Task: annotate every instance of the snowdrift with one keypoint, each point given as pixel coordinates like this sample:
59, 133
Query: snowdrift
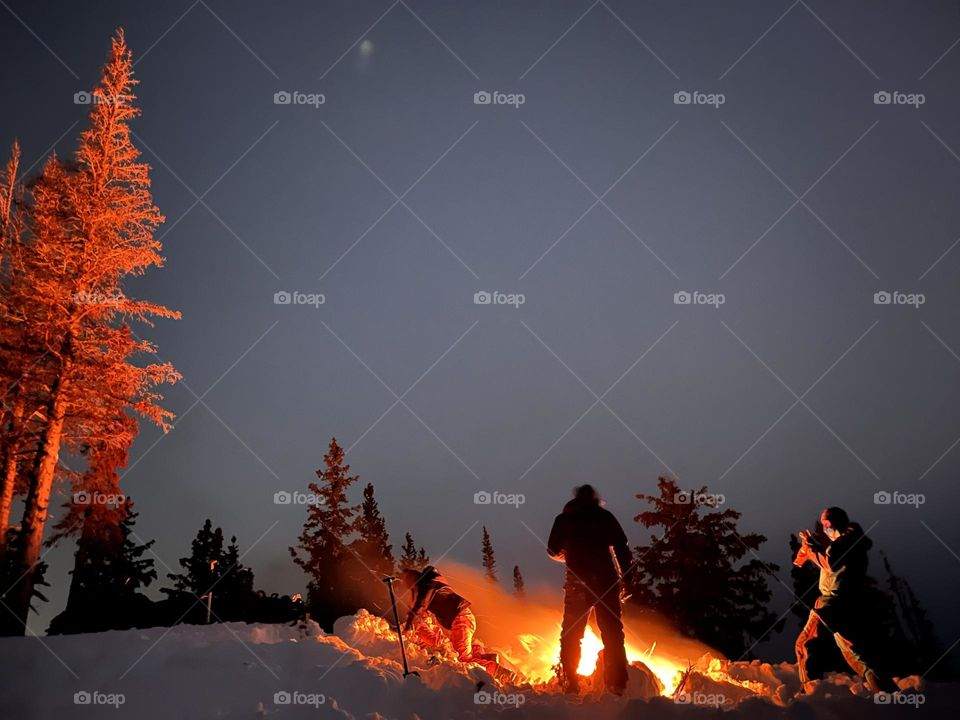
278, 671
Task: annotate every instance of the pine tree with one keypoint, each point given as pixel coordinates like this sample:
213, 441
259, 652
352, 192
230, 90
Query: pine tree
489, 562
518, 588
371, 556
322, 547
211, 568
373, 542
916, 628
410, 556
90, 226
697, 573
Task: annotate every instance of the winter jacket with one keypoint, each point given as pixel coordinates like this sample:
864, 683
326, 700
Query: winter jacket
582, 536
843, 578
432, 593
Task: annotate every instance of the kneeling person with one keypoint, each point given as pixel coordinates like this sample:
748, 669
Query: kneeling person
432, 594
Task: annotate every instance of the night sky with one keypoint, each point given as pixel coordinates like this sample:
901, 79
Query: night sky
786, 185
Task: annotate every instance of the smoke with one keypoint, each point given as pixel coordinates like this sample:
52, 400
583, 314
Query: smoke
526, 631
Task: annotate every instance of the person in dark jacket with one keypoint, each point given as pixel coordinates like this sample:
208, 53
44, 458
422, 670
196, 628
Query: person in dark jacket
437, 611
843, 576
582, 537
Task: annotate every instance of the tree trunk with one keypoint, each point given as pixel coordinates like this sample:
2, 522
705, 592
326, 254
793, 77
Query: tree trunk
9, 472
30, 537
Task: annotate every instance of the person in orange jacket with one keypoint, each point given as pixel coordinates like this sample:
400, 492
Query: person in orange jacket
432, 595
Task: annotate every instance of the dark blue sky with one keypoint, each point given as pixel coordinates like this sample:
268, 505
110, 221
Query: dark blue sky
598, 199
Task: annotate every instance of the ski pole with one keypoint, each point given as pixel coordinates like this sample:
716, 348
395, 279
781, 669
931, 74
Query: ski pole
396, 617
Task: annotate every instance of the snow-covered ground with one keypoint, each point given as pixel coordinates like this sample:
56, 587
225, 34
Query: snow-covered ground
277, 671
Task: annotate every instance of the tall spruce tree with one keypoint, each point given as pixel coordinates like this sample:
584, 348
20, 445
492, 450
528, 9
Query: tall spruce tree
371, 557
322, 548
700, 572
212, 568
489, 561
518, 587
410, 556
89, 226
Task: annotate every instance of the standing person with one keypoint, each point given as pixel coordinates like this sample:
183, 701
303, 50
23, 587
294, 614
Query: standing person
582, 537
840, 608
431, 594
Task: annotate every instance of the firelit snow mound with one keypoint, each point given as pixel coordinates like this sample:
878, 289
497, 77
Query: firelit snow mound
277, 671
